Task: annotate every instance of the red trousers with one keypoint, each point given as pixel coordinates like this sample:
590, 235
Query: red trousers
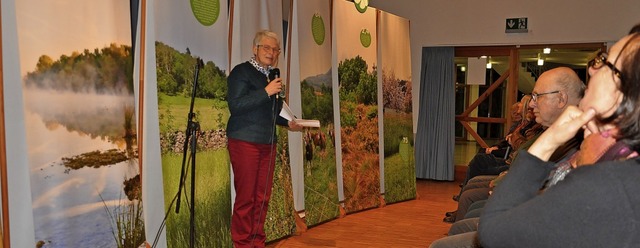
253, 166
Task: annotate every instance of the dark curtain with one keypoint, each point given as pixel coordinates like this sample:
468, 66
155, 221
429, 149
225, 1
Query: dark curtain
436, 119
133, 6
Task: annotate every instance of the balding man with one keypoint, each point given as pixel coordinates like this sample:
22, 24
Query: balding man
553, 92
555, 89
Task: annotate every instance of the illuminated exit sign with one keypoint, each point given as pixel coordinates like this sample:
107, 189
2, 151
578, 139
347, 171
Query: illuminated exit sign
516, 25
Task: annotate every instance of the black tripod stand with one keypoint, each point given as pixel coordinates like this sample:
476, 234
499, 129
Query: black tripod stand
190, 143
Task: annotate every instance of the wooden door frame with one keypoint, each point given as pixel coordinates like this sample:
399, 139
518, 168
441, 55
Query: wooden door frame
512, 85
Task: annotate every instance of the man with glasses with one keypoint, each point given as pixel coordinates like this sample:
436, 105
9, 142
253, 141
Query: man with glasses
553, 92
251, 133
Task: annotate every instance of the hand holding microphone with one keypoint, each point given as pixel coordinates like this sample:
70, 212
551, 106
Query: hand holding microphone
275, 74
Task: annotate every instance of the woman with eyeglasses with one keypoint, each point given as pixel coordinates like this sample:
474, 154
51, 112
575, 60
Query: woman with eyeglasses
597, 204
251, 134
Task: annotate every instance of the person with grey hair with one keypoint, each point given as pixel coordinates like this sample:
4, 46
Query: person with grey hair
596, 205
251, 131
555, 90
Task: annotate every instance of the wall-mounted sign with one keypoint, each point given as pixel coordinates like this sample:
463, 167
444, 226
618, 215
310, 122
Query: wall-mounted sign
516, 25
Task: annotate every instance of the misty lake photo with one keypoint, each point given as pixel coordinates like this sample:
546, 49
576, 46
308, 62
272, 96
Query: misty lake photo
69, 203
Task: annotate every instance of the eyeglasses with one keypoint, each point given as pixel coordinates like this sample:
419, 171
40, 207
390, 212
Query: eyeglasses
534, 96
270, 49
600, 60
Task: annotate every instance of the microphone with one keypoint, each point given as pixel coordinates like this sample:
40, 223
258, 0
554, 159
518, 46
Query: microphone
273, 74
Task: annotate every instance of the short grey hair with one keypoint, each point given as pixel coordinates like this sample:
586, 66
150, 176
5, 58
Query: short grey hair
569, 81
265, 34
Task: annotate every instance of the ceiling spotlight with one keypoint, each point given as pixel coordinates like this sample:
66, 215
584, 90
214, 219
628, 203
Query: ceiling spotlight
540, 61
546, 50
462, 68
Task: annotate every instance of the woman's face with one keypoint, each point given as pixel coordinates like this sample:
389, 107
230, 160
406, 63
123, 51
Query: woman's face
530, 115
515, 112
602, 93
267, 51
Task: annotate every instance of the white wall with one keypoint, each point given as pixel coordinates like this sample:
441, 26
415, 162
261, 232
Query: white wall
482, 23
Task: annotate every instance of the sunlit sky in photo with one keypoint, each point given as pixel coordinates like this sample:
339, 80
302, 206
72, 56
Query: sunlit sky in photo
78, 25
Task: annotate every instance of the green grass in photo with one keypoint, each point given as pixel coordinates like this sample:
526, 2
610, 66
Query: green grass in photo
212, 200
280, 220
399, 162
173, 112
321, 189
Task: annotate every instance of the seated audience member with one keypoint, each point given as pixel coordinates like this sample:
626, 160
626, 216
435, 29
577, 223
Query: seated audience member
553, 92
488, 163
596, 205
485, 165
478, 173
503, 148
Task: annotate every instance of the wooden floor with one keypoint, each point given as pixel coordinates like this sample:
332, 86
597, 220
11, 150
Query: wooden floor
414, 223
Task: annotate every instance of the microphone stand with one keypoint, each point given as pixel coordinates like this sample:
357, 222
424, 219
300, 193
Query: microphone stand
190, 142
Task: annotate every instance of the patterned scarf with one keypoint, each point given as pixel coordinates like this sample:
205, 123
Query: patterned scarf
595, 148
261, 69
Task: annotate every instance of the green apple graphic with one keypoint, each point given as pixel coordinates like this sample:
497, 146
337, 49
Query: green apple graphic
361, 5
205, 11
317, 28
365, 38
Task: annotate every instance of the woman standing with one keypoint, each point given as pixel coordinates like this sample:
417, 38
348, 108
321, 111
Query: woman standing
254, 105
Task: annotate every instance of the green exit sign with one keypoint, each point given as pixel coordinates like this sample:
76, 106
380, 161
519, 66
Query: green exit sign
516, 25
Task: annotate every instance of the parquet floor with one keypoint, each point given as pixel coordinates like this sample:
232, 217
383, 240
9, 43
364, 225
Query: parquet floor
414, 223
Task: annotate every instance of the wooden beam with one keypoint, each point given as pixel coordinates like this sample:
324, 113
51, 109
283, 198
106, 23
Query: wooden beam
485, 94
596, 46
482, 51
512, 86
474, 134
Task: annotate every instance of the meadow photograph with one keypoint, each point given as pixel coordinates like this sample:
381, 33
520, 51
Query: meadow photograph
358, 94
321, 201
397, 108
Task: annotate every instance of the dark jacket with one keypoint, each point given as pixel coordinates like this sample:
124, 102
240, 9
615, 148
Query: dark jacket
594, 206
253, 113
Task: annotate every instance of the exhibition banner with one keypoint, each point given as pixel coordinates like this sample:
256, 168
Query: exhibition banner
356, 46
397, 132
76, 67
312, 59
191, 67
249, 17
